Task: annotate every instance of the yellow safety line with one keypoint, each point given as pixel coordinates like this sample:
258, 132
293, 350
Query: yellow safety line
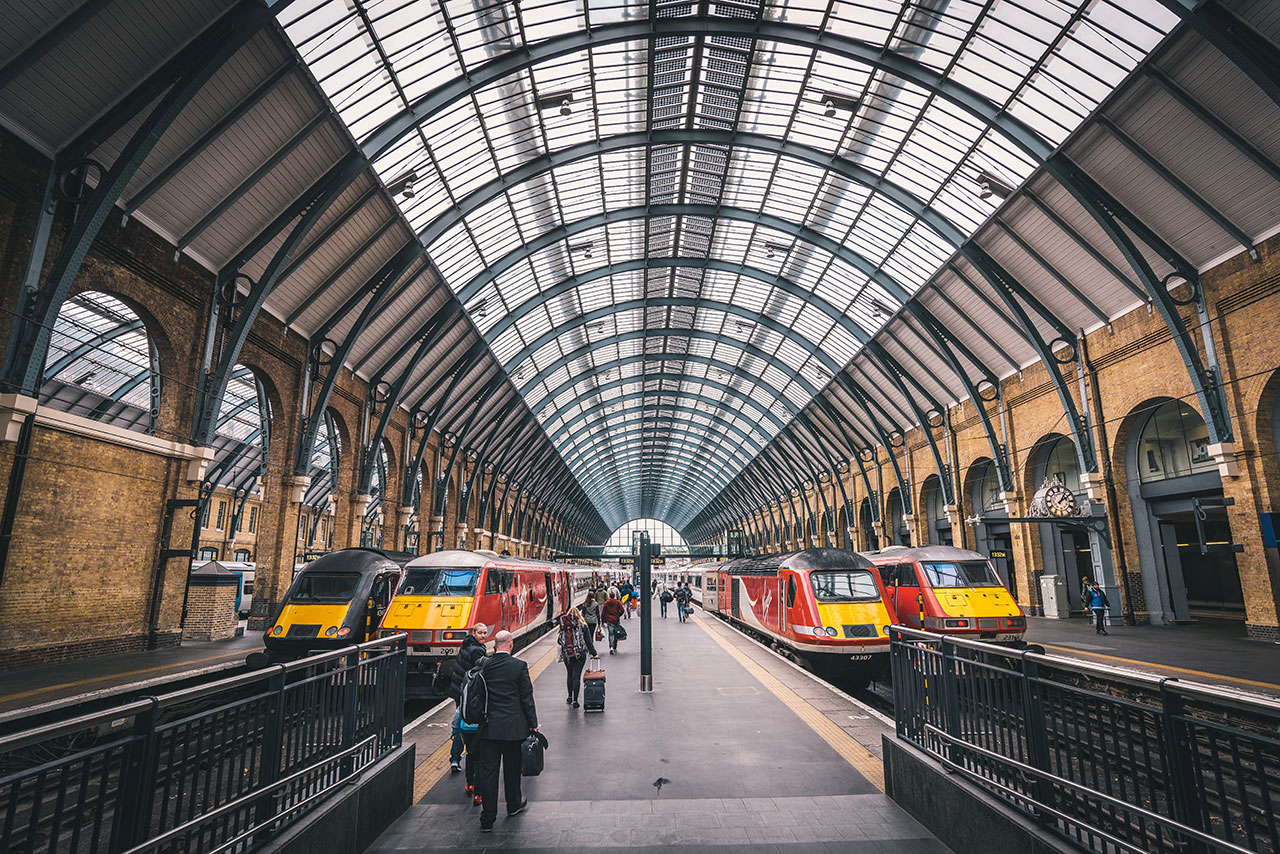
49, 688
850, 749
1151, 665
435, 766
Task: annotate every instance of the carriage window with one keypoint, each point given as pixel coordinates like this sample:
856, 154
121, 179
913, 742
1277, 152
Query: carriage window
964, 573
844, 585
326, 587
889, 572
438, 581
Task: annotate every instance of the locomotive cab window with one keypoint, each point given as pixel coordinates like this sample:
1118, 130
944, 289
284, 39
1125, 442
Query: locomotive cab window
381, 593
791, 591
962, 573
844, 585
326, 587
439, 581
889, 573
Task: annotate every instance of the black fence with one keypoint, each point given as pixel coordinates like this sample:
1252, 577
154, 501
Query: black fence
221, 767
1113, 760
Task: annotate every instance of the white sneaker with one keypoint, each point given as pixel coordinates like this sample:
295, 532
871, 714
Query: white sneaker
455, 767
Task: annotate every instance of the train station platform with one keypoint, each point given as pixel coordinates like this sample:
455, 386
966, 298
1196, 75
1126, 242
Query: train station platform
1211, 651
46, 687
735, 750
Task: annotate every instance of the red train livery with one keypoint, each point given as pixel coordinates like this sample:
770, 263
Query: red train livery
826, 607
444, 594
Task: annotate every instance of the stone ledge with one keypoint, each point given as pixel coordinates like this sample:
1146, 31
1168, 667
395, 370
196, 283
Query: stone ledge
351, 819
963, 816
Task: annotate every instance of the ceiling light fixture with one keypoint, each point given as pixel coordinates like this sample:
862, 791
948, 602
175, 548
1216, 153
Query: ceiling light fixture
403, 185
832, 103
989, 185
559, 101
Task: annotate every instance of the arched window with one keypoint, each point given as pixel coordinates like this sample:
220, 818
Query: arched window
243, 556
101, 364
242, 436
371, 532
1174, 443
208, 553
986, 487
1062, 464
324, 476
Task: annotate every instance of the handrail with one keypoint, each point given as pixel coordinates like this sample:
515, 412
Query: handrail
155, 762
244, 800
1150, 680
1070, 784
1201, 761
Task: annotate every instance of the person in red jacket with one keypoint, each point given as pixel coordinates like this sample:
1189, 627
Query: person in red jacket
610, 614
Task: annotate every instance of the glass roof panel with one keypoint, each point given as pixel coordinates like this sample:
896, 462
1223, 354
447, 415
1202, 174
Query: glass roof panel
814, 137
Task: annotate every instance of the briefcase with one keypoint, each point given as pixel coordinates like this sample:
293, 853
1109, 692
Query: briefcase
531, 758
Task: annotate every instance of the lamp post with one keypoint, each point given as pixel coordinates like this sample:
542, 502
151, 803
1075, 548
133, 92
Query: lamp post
646, 615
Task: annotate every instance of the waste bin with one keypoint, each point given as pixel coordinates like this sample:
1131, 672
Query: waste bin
1053, 596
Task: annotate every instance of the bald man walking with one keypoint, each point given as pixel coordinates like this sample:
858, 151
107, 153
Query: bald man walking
512, 717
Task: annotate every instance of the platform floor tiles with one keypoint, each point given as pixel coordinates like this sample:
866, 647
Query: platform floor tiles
1211, 651
46, 685
712, 760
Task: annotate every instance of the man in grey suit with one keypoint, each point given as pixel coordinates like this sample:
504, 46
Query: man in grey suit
512, 717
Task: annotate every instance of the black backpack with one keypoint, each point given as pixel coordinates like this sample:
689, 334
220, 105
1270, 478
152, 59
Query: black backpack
666, 596
474, 708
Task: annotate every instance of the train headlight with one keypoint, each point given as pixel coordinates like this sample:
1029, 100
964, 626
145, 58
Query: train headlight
819, 631
831, 631
344, 631
885, 630
278, 631
331, 631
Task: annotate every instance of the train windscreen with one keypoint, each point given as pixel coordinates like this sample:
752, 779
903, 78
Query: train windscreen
326, 587
961, 573
438, 581
844, 585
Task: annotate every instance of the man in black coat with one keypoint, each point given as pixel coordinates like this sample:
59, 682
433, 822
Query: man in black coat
471, 651
512, 717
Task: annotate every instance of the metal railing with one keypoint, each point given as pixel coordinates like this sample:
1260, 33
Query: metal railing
220, 767
1111, 759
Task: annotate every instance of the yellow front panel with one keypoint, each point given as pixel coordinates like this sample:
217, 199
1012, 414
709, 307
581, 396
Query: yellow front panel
977, 602
428, 612
855, 613
310, 615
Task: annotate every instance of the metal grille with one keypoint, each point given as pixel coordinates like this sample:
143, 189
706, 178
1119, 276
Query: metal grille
988, 622
1111, 760
861, 630
301, 630
221, 767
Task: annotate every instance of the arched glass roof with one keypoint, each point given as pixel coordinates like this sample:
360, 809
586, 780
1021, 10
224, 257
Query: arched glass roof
675, 222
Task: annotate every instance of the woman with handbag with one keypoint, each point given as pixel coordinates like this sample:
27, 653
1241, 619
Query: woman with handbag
573, 652
590, 610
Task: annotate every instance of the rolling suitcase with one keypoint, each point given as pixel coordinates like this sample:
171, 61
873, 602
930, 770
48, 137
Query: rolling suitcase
593, 687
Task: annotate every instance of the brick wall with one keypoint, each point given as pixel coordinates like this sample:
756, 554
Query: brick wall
211, 613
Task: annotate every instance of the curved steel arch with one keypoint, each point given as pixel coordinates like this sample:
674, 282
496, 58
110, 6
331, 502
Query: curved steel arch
834, 163
644, 394
665, 332
592, 457
440, 99
732, 453
589, 456
635, 433
629, 462
707, 381
618, 363
676, 302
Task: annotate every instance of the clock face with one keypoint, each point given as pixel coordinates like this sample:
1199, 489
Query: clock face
1060, 501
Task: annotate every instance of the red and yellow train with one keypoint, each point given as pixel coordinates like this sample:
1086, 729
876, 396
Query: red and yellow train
950, 591
825, 607
443, 595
